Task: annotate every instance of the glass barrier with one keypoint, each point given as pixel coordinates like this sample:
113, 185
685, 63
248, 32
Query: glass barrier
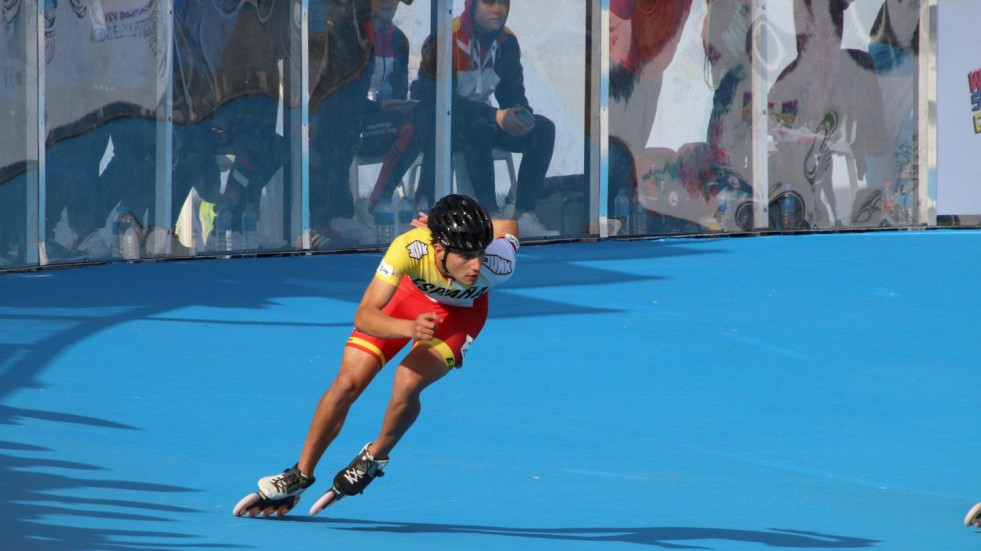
176, 129
237, 120
519, 96
682, 115
501, 60
660, 97
554, 193
106, 76
366, 126
842, 125
18, 141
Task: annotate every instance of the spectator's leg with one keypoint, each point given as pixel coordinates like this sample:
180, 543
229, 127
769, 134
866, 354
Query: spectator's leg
476, 141
536, 148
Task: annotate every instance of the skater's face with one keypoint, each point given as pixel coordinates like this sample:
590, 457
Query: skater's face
463, 267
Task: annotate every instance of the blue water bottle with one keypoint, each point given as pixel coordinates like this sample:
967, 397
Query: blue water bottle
787, 207
250, 228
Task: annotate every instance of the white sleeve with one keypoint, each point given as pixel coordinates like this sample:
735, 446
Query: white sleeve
499, 259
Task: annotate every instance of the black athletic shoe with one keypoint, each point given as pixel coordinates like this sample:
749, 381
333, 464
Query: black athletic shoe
354, 478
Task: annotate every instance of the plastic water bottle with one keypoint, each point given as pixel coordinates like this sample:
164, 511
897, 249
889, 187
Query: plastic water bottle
638, 218
406, 214
621, 210
127, 236
722, 203
223, 227
250, 228
905, 203
114, 244
888, 204
787, 207
384, 221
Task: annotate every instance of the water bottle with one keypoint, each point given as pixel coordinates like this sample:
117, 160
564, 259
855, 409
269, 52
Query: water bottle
406, 214
127, 237
888, 198
114, 243
621, 210
905, 203
223, 227
250, 228
638, 218
888, 204
384, 221
722, 201
788, 206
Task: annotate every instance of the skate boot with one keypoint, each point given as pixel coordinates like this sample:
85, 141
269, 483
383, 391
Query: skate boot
973, 517
277, 494
289, 483
352, 480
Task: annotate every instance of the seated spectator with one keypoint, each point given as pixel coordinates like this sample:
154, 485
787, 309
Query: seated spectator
338, 102
487, 62
387, 128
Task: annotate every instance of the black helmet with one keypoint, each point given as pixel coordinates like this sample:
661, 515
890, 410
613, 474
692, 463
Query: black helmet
461, 224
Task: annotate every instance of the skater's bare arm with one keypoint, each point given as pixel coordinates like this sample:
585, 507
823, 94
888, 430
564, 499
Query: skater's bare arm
370, 319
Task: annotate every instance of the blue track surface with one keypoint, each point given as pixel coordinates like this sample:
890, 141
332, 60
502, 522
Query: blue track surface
774, 392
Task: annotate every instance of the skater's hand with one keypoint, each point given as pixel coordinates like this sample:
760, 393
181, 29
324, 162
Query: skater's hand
421, 221
425, 326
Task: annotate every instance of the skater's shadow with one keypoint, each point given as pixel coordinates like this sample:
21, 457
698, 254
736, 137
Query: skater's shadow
668, 537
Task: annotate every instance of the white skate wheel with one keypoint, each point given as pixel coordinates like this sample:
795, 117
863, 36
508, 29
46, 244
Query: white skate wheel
329, 498
973, 517
245, 503
281, 510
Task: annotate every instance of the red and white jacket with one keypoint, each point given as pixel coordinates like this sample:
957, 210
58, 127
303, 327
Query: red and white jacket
483, 66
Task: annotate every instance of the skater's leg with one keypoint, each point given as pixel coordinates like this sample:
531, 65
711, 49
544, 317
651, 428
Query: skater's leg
278, 494
357, 370
420, 368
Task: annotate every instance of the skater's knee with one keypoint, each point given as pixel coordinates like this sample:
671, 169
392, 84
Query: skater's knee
407, 387
346, 389
358, 368
421, 368
407, 391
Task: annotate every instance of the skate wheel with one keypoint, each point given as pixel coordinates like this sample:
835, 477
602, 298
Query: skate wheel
246, 503
283, 509
280, 507
973, 517
329, 498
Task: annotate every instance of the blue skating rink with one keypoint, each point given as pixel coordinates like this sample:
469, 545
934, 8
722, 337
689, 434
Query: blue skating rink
780, 392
